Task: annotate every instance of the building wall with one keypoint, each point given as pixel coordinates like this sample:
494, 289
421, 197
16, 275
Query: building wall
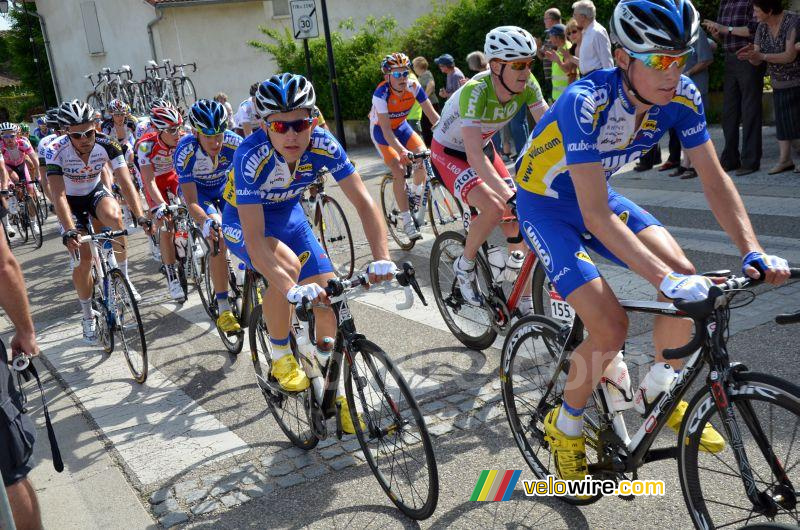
213, 36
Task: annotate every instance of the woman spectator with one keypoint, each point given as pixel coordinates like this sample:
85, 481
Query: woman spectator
574, 36
425, 77
775, 44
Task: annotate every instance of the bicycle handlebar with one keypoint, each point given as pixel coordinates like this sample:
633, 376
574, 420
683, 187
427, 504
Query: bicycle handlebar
106, 234
700, 310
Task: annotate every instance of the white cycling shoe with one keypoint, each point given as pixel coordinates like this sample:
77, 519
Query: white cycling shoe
176, 291
411, 230
467, 283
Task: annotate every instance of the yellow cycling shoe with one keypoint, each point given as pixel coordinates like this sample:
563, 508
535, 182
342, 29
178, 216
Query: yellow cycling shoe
290, 376
227, 322
710, 441
346, 418
569, 453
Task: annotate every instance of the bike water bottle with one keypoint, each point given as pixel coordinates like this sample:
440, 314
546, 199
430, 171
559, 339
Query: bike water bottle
659, 379
497, 262
324, 351
13, 207
181, 238
307, 350
513, 265
616, 382
108, 252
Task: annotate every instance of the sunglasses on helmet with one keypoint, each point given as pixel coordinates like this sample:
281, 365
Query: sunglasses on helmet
282, 127
662, 61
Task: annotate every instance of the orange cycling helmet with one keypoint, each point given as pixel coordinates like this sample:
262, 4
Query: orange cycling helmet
395, 60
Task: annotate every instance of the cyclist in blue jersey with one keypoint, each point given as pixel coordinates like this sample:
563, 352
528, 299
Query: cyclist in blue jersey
202, 161
565, 204
264, 223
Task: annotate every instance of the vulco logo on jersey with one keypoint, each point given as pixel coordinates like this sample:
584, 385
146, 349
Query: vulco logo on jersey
183, 155
255, 162
538, 245
587, 106
580, 146
280, 196
232, 233
691, 131
617, 161
323, 145
687, 90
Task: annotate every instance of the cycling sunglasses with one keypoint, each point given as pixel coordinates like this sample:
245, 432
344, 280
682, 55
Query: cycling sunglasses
282, 127
80, 135
661, 61
211, 133
519, 66
173, 130
398, 75
9, 136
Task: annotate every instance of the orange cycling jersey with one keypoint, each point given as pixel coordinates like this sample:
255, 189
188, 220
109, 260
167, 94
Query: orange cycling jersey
397, 106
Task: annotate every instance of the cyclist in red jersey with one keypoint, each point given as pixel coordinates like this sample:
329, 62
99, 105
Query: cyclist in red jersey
154, 159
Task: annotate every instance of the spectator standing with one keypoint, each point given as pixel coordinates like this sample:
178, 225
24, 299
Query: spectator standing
455, 77
14, 465
697, 70
595, 44
574, 36
476, 61
222, 98
776, 45
425, 77
415, 114
742, 84
551, 17
558, 56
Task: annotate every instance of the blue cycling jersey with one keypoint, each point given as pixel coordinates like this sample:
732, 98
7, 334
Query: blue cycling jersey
594, 121
192, 164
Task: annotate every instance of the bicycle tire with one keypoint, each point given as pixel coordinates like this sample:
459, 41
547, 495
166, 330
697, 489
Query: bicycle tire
444, 210
752, 390
279, 403
395, 429
22, 222
527, 429
187, 92
540, 287
392, 214
446, 249
129, 326
94, 100
35, 223
42, 198
336, 235
105, 335
235, 341
201, 280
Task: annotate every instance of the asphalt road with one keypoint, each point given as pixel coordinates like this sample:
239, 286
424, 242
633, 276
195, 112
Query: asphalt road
196, 446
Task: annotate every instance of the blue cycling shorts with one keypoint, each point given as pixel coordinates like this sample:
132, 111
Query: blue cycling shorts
288, 225
210, 200
555, 230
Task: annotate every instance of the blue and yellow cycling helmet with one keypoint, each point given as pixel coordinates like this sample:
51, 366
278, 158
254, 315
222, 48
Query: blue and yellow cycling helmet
208, 117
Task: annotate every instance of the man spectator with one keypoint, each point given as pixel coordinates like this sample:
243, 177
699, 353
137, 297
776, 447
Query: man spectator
246, 117
14, 464
222, 98
742, 85
420, 65
558, 55
476, 61
595, 44
551, 17
455, 77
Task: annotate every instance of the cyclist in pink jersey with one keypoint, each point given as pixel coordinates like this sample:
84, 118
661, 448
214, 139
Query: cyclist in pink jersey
18, 155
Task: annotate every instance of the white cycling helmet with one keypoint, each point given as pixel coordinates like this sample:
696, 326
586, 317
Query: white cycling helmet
643, 26
284, 93
509, 43
75, 112
8, 126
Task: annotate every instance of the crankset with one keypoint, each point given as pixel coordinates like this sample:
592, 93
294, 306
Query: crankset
613, 455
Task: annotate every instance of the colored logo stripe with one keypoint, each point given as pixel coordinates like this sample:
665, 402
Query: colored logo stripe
495, 485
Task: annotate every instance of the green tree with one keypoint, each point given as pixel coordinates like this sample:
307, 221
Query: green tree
19, 57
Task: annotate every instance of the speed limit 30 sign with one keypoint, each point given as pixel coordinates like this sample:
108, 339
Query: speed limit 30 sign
304, 19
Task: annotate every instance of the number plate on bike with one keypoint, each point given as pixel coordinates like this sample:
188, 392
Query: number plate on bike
559, 308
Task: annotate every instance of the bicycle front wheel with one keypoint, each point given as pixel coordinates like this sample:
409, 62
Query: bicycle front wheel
767, 412
188, 94
444, 211
336, 239
288, 409
129, 326
391, 212
233, 342
471, 325
391, 430
35, 220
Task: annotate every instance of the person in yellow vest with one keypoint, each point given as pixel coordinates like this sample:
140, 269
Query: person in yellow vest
558, 54
415, 115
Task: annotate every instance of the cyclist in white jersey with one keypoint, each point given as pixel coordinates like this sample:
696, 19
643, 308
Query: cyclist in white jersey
246, 116
51, 120
74, 165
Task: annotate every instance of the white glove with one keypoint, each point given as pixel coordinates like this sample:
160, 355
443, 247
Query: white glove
207, 226
159, 211
381, 267
310, 291
765, 261
691, 288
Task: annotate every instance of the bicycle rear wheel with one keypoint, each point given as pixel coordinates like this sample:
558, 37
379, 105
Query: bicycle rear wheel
391, 213
334, 232
288, 409
21, 222
532, 354
188, 94
103, 322
444, 211
129, 326
471, 325
394, 437
35, 220
42, 200
768, 417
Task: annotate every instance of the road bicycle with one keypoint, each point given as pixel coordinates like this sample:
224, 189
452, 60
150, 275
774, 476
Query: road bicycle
96, 97
182, 87
25, 213
444, 211
115, 308
327, 218
155, 86
390, 427
190, 248
758, 414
